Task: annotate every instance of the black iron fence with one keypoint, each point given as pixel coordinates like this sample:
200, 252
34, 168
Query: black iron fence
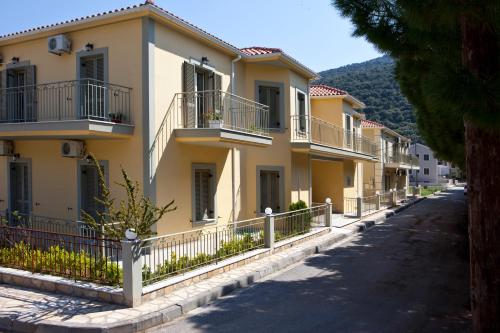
71, 256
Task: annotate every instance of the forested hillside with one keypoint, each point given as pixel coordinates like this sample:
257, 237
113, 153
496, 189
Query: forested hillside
373, 83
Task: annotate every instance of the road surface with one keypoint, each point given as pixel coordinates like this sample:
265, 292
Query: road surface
409, 274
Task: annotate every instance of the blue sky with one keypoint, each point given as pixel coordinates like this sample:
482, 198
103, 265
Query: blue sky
311, 31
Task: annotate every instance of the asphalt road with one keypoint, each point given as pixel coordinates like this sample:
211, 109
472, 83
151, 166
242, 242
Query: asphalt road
409, 274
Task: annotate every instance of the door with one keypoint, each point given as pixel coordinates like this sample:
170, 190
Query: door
92, 89
270, 190
201, 98
90, 189
20, 189
20, 95
348, 133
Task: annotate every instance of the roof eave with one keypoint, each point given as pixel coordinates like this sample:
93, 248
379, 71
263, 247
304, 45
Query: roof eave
286, 59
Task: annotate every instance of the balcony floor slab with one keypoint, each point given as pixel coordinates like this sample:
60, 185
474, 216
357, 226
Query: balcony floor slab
221, 137
66, 129
328, 151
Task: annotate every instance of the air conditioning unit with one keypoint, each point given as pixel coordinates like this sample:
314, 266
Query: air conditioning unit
72, 149
59, 44
6, 148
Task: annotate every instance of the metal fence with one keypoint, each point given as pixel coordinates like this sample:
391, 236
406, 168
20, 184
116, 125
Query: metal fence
401, 195
66, 100
386, 200
168, 255
350, 206
311, 129
71, 256
215, 108
369, 204
290, 224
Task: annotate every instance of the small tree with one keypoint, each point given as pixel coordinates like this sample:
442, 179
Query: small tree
136, 212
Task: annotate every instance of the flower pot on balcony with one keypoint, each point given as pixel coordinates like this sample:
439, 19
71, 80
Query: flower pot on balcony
215, 123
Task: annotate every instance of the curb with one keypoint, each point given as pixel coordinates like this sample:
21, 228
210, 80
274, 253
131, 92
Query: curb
175, 311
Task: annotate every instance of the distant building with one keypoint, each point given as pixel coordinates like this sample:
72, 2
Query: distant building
432, 170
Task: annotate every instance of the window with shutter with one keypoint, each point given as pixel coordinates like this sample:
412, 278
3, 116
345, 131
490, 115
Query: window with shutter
20, 190
270, 96
203, 192
92, 90
301, 101
270, 190
90, 189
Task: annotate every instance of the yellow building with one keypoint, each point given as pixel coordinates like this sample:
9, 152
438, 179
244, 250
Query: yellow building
336, 147
189, 116
394, 160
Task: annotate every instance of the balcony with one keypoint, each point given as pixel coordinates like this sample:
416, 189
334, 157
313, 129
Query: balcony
324, 138
400, 160
84, 108
222, 119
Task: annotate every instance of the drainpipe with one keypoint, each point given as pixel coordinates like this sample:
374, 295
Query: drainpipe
233, 150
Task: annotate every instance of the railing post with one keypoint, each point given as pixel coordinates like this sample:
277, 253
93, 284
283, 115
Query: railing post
132, 272
394, 197
269, 229
359, 206
377, 201
328, 213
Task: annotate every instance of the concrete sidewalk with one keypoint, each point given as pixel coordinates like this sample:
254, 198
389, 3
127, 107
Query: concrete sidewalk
35, 311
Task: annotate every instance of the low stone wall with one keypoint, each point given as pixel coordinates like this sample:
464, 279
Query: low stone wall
61, 285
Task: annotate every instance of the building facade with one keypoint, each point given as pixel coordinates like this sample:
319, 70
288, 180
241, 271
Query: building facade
432, 170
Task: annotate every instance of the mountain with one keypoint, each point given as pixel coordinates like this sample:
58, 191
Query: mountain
373, 83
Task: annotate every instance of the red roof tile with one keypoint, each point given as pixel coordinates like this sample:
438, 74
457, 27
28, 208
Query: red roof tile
324, 90
258, 50
371, 124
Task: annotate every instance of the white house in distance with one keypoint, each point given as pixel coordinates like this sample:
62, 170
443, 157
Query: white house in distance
431, 170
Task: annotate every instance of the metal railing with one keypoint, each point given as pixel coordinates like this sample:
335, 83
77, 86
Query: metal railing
66, 100
401, 158
294, 223
369, 204
386, 200
173, 254
70, 256
312, 129
401, 194
350, 206
219, 109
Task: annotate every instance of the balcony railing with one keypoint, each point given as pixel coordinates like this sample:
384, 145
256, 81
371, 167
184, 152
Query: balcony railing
311, 129
66, 100
401, 158
218, 109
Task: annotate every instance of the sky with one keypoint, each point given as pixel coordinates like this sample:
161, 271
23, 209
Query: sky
312, 31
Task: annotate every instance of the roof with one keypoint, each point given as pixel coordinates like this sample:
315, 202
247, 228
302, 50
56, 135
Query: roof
371, 124
318, 91
324, 90
259, 50
149, 5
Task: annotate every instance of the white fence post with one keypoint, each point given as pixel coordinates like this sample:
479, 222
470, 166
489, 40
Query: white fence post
394, 197
359, 206
132, 272
328, 213
406, 193
377, 201
269, 229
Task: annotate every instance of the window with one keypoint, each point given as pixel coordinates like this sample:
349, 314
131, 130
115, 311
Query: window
426, 157
426, 171
271, 94
270, 188
410, 171
301, 105
203, 192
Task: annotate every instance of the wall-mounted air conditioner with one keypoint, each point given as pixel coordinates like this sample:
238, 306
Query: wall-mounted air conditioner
72, 149
59, 44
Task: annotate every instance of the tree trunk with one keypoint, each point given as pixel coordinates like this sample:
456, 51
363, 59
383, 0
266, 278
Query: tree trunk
483, 175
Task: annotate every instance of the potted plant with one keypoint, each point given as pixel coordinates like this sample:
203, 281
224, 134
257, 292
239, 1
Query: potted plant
116, 117
214, 119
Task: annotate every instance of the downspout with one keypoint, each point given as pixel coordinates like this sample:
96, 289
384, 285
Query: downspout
233, 150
